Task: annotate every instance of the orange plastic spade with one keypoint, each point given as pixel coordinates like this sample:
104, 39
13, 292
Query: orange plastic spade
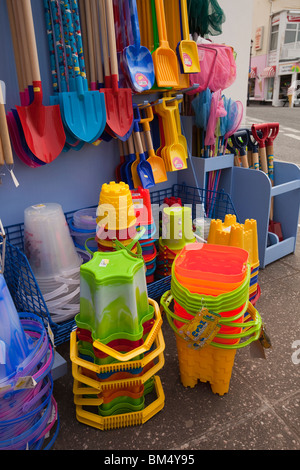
42, 125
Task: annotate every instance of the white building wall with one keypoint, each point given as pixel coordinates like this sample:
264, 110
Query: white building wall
236, 32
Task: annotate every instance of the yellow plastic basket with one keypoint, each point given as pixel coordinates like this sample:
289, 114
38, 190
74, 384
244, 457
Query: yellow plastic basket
123, 420
119, 366
78, 374
141, 349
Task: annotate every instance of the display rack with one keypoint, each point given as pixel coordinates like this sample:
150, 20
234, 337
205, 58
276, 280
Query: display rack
23, 285
252, 193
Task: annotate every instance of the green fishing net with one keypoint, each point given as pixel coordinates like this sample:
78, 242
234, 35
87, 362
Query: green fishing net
205, 17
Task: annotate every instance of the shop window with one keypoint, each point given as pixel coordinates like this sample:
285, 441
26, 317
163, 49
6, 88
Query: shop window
270, 88
285, 83
292, 33
274, 37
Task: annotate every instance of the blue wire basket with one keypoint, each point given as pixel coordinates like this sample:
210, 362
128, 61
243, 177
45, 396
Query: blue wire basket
23, 285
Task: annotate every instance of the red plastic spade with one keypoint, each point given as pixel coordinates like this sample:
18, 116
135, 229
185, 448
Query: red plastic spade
42, 125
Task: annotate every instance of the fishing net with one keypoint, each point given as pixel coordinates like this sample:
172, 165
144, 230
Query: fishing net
201, 106
205, 17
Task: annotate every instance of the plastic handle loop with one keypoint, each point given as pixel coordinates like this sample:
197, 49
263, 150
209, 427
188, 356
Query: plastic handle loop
252, 328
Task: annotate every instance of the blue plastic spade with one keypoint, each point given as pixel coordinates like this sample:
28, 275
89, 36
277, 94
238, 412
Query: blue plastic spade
84, 110
137, 58
144, 169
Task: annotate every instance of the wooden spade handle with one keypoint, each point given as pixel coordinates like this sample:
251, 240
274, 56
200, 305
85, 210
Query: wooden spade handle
31, 40
111, 37
244, 160
249, 158
84, 38
4, 135
130, 145
255, 160
2, 161
102, 11
16, 45
98, 55
263, 159
22, 44
88, 15
138, 142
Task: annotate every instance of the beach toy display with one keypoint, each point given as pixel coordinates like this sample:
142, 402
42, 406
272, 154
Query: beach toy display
83, 228
176, 232
117, 348
231, 233
53, 258
28, 410
208, 308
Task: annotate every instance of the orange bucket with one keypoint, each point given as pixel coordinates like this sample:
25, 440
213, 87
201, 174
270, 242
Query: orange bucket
214, 263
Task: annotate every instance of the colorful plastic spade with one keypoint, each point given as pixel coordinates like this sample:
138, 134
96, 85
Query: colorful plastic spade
138, 59
187, 49
157, 163
42, 125
261, 138
13, 121
144, 168
164, 58
240, 140
84, 110
57, 54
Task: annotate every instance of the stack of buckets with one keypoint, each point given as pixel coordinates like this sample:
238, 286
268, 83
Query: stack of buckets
244, 236
116, 219
28, 410
83, 231
216, 278
144, 218
117, 347
176, 232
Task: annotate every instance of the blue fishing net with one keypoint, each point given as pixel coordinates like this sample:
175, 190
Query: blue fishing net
201, 106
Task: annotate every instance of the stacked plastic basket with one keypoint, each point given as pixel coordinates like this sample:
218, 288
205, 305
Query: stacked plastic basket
83, 227
209, 310
177, 231
117, 348
244, 236
28, 410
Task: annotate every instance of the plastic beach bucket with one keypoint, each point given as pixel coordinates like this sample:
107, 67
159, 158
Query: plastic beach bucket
13, 342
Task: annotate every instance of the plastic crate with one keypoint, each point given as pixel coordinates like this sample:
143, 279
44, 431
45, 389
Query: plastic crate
23, 285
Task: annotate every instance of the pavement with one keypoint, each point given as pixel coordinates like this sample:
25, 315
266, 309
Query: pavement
261, 410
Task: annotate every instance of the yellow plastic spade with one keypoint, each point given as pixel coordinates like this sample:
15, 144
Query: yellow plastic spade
174, 153
187, 49
164, 58
173, 19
